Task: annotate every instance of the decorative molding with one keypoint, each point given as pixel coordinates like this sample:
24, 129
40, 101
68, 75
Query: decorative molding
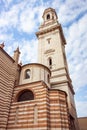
49, 51
48, 30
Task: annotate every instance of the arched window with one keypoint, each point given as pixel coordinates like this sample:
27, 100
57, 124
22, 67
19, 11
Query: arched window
27, 74
25, 96
48, 16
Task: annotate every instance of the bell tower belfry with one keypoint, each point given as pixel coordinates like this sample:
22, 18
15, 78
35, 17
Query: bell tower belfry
51, 53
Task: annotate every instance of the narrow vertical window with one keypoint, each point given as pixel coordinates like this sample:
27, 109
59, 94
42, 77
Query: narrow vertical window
48, 78
50, 63
27, 74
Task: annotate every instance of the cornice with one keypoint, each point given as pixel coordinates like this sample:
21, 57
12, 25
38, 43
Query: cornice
37, 64
52, 89
50, 29
47, 30
65, 81
35, 83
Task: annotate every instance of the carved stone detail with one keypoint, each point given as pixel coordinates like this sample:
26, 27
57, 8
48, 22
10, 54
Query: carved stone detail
49, 51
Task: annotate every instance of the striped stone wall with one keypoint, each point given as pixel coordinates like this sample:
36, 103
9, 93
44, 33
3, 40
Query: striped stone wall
33, 114
7, 79
48, 110
59, 118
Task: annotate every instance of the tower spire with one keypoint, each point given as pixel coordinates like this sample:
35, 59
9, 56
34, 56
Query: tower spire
2, 45
16, 55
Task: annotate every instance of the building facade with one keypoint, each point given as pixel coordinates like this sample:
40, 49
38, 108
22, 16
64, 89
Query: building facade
38, 96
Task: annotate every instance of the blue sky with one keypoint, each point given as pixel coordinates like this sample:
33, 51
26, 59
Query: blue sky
20, 19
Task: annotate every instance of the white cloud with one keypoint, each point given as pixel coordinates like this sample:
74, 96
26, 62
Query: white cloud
22, 16
27, 48
77, 52
9, 1
27, 22
5, 37
29, 18
9, 19
28, 51
71, 9
81, 108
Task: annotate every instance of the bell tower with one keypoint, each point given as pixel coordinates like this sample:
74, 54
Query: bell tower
51, 53
51, 48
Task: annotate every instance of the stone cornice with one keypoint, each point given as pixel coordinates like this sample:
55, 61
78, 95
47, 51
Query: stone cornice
58, 69
37, 64
49, 24
52, 89
35, 83
50, 29
65, 81
47, 30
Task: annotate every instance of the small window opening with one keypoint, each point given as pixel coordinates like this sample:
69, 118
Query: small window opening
48, 16
50, 63
27, 74
49, 40
48, 78
25, 96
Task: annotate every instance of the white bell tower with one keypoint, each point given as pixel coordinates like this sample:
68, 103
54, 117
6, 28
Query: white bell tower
51, 53
51, 48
